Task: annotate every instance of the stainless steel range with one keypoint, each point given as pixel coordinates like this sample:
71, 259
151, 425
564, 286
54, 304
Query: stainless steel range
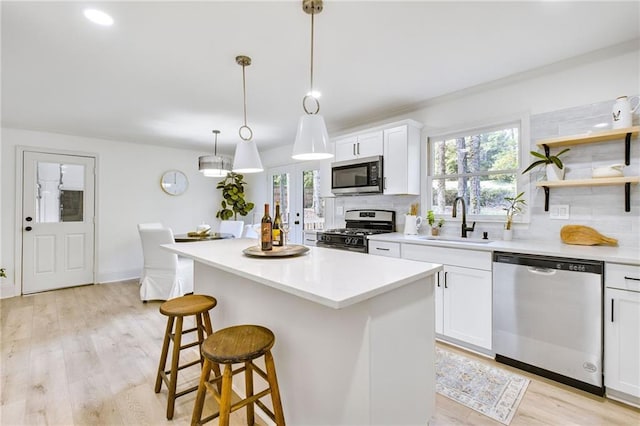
359, 224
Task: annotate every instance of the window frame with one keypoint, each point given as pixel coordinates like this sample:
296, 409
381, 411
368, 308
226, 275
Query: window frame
522, 181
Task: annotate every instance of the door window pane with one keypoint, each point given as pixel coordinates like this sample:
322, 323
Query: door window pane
312, 203
60, 193
280, 192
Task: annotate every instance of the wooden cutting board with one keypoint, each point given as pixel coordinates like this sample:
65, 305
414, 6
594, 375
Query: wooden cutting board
584, 236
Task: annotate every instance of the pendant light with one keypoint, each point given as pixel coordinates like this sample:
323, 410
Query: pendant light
247, 159
312, 137
214, 165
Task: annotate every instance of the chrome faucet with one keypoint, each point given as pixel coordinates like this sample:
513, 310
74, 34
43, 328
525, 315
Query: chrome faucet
465, 228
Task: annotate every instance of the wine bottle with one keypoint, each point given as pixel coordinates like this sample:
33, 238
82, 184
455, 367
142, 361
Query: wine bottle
277, 228
266, 237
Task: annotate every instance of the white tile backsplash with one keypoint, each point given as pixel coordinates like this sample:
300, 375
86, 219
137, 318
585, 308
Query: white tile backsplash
601, 207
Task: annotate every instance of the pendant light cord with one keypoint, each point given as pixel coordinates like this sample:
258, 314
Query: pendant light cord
244, 61
311, 82
310, 94
244, 96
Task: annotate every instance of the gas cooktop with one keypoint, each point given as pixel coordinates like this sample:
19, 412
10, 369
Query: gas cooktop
356, 231
360, 224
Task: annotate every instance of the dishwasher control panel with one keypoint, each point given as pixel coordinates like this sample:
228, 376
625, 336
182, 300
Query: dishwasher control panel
557, 263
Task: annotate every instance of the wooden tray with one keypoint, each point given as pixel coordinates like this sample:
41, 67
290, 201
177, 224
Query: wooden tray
287, 251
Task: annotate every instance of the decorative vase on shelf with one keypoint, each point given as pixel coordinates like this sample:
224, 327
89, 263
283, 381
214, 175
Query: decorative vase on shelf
554, 172
507, 234
622, 113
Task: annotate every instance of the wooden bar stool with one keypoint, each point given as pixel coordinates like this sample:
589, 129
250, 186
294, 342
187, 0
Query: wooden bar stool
176, 309
235, 345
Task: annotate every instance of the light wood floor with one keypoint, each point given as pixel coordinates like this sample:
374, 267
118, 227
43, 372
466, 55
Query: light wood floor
88, 356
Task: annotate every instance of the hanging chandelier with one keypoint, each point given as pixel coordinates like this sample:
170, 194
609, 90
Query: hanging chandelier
214, 165
312, 138
247, 158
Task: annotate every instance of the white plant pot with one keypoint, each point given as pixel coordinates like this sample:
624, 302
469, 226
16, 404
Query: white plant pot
507, 234
554, 172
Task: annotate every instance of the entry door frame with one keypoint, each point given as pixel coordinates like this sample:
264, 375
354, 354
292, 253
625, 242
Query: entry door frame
18, 219
296, 170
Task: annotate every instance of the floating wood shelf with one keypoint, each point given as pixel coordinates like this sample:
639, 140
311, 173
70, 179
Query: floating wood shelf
624, 180
586, 138
590, 182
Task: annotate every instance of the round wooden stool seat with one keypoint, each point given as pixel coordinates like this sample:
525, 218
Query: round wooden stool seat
238, 344
198, 306
191, 304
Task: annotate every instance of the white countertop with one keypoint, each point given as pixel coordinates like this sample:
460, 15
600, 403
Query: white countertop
334, 278
625, 255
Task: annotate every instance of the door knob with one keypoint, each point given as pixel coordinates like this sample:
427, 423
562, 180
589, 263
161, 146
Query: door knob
28, 228
28, 218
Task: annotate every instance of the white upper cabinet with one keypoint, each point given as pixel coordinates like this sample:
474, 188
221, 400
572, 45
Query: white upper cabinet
401, 166
359, 146
398, 143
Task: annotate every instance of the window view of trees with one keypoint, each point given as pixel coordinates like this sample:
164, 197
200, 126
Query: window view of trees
280, 190
480, 167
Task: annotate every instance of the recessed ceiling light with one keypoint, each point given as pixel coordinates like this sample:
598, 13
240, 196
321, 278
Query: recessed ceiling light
601, 125
98, 17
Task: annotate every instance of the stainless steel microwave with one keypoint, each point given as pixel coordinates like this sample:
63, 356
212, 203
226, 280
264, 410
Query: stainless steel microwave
358, 176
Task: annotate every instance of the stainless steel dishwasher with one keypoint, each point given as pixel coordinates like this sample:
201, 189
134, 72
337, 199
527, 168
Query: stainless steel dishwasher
547, 317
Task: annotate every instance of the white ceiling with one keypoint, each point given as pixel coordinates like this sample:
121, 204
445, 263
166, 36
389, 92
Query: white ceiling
165, 72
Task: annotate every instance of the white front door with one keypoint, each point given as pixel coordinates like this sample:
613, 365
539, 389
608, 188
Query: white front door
57, 221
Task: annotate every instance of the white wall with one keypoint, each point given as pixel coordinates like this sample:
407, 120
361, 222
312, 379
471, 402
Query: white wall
128, 193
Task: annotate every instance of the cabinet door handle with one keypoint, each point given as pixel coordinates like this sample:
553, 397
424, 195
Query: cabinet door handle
631, 278
445, 280
353, 149
384, 184
438, 282
611, 310
358, 148
382, 249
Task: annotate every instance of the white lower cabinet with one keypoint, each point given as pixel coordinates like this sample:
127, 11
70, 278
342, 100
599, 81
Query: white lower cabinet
466, 305
310, 238
384, 248
463, 295
622, 331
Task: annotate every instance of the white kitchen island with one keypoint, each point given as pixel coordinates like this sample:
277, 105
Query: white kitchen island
354, 332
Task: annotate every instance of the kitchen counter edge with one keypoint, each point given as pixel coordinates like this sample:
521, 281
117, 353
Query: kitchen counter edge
625, 255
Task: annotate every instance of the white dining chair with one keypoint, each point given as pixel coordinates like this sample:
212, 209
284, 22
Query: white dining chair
153, 225
165, 275
250, 232
234, 227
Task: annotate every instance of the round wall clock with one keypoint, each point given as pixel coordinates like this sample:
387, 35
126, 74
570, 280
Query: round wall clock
174, 182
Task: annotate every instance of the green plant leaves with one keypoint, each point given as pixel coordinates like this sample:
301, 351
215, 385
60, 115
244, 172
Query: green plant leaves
544, 159
233, 202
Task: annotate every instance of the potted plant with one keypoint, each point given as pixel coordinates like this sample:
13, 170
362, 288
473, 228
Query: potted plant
554, 167
513, 208
433, 223
233, 202
3, 273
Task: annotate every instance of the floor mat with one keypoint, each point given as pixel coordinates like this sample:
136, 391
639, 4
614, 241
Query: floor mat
494, 392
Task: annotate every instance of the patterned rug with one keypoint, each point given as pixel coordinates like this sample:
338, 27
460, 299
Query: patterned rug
494, 392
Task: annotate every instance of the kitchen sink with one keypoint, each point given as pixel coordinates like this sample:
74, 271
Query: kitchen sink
457, 240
